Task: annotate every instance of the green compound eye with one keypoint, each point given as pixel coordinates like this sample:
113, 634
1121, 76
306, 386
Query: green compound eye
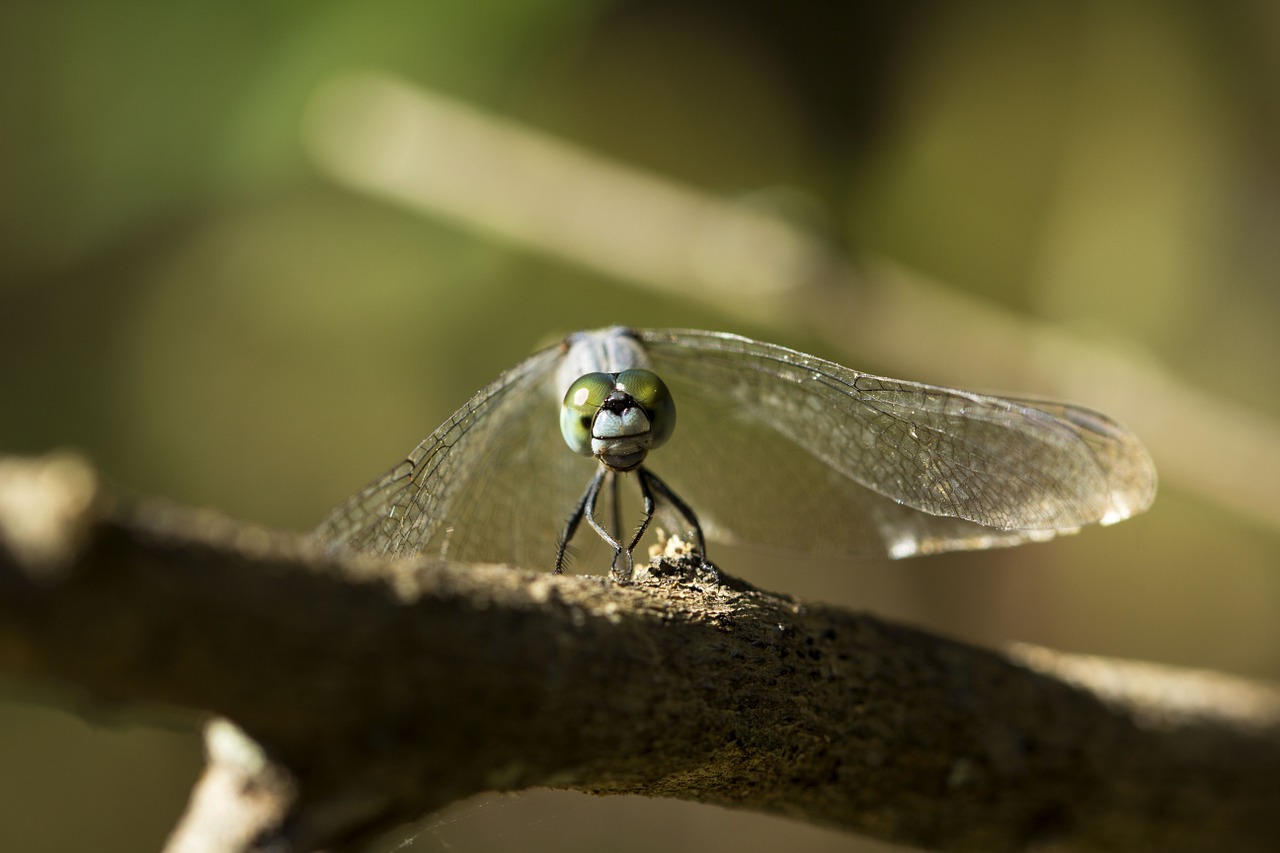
581, 402
648, 389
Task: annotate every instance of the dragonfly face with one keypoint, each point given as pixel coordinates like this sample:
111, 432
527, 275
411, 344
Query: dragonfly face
617, 417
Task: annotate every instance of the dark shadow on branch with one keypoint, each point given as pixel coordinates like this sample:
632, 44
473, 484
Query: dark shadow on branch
363, 694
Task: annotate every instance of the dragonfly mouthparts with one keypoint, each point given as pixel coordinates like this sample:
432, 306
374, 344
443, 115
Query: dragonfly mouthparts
621, 435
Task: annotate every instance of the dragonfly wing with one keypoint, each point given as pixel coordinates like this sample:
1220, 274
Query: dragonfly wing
781, 447
494, 483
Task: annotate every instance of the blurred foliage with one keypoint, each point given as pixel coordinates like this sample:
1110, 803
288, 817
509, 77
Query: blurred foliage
186, 300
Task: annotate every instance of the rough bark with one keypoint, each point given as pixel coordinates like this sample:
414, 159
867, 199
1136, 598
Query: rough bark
349, 695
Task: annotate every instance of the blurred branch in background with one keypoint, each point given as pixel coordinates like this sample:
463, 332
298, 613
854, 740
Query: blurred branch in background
442, 158
365, 693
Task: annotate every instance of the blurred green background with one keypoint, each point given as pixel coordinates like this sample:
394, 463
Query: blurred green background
188, 299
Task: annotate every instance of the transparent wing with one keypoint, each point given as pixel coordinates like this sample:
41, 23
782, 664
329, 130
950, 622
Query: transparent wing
772, 446
494, 483
778, 447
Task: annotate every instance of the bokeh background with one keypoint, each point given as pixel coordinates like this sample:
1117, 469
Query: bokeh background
1067, 198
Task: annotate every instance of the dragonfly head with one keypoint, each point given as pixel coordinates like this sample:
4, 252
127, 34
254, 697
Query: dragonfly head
617, 417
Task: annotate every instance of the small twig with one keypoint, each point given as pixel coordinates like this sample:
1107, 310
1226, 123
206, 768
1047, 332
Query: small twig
365, 694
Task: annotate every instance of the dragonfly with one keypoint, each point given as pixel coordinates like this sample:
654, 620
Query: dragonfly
775, 448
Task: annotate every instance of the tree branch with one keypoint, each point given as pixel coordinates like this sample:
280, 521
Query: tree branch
365, 694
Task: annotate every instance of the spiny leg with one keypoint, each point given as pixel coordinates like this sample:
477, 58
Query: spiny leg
593, 492
617, 506
651, 488
647, 493
571, 526
647, 476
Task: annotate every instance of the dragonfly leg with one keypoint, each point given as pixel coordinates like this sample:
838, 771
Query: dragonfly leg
647, 493
676, 501
589, 507
587, 501
616, 497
